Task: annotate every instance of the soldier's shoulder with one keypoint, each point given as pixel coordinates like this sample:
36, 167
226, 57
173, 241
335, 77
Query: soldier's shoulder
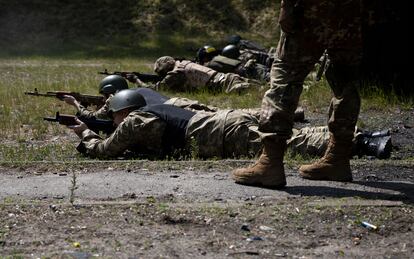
138, 114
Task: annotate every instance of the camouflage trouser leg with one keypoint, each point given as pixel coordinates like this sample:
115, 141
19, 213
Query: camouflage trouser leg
189, 104
311, 141
257, 71
226, 133
280, 102
345, 105
230, 82
288, 72
262, 72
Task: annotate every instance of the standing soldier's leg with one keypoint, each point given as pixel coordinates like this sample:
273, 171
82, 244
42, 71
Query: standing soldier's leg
343, 115
276, 121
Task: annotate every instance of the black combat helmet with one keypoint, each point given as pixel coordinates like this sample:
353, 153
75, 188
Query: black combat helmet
206, 53
112, 84
231, 51
128, 98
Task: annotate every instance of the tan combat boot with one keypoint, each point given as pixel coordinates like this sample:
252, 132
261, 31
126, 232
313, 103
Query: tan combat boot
268, 171
334, 165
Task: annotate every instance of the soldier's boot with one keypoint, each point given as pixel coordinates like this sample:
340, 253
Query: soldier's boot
334, 165
268, 171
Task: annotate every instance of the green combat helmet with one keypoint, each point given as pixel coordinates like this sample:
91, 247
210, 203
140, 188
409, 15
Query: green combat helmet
112, 84
128, 98
231, 51
163, 65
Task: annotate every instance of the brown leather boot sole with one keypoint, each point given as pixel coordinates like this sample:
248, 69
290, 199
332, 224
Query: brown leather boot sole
329, 173
241, 177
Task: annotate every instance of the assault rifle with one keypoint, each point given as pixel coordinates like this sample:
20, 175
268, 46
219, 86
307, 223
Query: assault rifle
85, 100
152, 78
96, 125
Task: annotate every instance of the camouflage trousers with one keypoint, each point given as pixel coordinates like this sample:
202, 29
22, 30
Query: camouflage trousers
257, 71
230, 82
289, 70
234, 133
226, 133
191, 105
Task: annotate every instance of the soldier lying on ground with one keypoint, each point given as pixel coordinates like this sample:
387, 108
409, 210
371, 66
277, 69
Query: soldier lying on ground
263, 58
252, 50
114, 83
227, 61
107, 87
159, 131
185, 75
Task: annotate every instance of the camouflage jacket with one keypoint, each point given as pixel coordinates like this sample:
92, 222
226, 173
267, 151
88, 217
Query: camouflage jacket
139, 132
225, 65
187, 76
102, 113
220, 134
333, 23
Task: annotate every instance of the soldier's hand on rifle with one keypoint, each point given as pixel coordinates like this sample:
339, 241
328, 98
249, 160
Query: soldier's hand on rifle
79, 128
69, 99
131, 78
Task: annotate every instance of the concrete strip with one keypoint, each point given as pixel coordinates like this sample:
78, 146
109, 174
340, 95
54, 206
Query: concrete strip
190, 185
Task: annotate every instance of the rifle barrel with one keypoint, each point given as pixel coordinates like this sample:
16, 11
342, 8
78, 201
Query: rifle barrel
40, 94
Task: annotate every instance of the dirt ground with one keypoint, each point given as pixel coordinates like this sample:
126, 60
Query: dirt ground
193, 209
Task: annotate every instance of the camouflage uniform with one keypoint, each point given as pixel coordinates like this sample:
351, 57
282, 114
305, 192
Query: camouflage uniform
191, 105
249, 45
221, 134
263, 58
227, 133
188, 76
195, 106
101, 113
308, 28
247, 68
139, 132
181, 102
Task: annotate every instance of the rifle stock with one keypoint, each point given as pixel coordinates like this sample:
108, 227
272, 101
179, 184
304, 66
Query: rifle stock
96, 125
84, 99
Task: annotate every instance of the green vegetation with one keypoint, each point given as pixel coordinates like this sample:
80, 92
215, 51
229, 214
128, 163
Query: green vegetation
125, 28
376, 98
48, 49
26, 137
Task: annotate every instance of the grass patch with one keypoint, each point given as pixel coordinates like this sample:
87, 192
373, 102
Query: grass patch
26, 137
375, 98
30, 153
315, 95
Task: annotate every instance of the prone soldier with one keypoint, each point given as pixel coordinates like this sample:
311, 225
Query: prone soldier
163, 130
186, 75
227, 61
114, 83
